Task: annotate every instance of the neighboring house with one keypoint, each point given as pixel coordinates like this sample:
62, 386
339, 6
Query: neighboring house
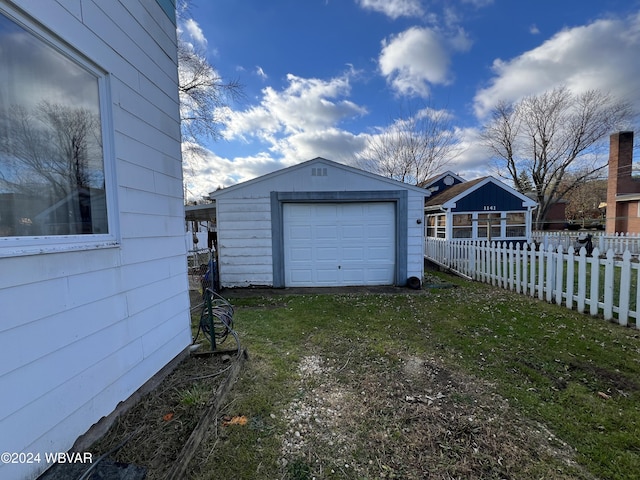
480, 209
440, 183
93, 283
623, 191
319, 223
556, 218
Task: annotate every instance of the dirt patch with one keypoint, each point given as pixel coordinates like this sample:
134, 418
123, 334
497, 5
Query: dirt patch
417, 419
153, 432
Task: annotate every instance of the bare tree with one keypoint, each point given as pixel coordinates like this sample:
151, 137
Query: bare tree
204, 94
585, 200
414, 148
55, 145
550, 135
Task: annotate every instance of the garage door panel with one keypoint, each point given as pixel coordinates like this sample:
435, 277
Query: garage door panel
354, 275
326, 276
378, 276
339, 244
354, 232
353, 254
377, 254
380, 232
300, 232
301, 211
302, 277
301, 254
325, 232
324, 254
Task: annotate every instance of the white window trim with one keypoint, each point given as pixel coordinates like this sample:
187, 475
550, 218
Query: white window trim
503, 225
19, 246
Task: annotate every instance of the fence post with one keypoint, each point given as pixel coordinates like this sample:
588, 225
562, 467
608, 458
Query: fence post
549, 285
558, 286
608, 285
532, 268
570, 277
582, 278
625, 287
471, 247
594, 294
519, 266
542, 253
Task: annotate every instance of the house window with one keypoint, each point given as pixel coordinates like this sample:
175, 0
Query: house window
462, 225
53, 184
489, 225
516, 224
436, 226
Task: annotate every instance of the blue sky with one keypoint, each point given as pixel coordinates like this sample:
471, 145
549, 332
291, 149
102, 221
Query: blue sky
321, 77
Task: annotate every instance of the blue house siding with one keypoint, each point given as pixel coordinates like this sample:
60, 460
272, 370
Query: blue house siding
489, 197
480, 209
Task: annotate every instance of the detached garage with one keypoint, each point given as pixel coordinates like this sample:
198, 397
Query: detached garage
319, 223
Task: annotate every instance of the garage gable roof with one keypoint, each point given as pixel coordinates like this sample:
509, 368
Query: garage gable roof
319, 162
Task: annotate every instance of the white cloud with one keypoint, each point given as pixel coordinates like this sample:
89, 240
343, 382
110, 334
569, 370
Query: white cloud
394, 8
206, 172
472, 160
194, 31
260, 72
418, 57
306, 104
294, 124
601, 55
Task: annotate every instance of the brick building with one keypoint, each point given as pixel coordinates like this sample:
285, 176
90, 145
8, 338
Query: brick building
623, 191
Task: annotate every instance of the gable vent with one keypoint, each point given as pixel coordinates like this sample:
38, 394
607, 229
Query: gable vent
319, 171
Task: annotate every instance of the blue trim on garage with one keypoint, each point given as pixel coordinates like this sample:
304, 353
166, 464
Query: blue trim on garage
399, 197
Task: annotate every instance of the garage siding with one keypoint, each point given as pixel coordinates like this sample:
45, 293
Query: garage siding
250, 220
244, 242
415, 235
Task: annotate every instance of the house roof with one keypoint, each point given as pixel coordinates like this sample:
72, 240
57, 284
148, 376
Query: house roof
452, 192
449, 197
431, 180
323, 161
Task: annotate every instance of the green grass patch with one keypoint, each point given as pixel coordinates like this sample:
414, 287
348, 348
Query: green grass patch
481, 353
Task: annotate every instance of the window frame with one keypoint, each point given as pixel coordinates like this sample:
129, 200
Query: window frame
32, 245
438, 227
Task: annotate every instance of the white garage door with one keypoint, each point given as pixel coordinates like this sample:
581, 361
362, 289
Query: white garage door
339, 244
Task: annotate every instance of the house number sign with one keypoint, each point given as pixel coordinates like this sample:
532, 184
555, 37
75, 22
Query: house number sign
489, 207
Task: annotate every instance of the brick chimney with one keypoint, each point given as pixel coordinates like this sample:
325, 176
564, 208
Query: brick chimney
620, 180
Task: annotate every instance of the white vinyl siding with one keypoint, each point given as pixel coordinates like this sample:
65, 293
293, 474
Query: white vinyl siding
82, 329
244, 242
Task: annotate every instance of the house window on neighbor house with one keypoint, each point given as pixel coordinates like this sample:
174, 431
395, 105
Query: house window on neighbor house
436, 226
52, 168
516, 224
462, 225
489, 223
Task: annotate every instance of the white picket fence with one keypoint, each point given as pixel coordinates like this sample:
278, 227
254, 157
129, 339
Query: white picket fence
598, 284
619, 242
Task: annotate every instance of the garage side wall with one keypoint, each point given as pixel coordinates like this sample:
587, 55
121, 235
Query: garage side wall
415, 235
244, 242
